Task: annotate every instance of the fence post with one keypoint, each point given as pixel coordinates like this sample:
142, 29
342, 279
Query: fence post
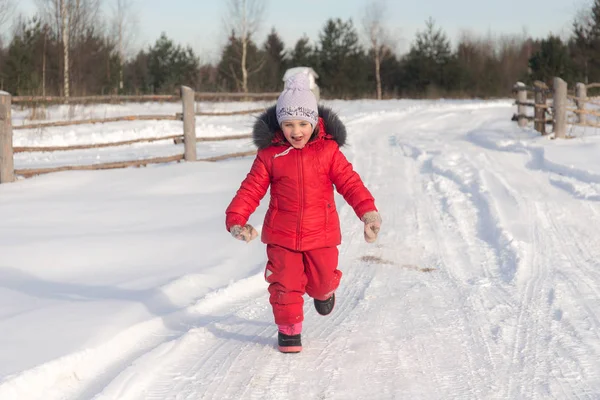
7, 167
189, 123
581, 93
539, 113
560, 108
521, 107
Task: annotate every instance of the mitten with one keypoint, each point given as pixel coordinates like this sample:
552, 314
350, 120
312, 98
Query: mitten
372, 221
245, 233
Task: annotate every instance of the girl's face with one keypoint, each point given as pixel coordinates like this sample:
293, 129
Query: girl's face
297, 132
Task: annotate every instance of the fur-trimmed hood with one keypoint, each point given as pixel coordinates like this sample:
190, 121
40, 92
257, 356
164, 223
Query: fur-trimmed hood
266, 127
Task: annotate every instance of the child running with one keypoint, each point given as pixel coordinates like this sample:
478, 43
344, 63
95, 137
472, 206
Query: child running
299, 157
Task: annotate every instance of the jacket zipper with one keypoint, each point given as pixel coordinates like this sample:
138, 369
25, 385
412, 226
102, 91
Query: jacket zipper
301, 193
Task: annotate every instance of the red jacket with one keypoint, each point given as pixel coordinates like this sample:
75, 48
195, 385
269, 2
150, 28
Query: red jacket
302, 214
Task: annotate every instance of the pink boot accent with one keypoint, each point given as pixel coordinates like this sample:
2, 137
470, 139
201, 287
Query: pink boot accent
326, 296
290, 330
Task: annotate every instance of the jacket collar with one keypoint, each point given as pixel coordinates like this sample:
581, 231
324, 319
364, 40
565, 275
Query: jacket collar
266, 130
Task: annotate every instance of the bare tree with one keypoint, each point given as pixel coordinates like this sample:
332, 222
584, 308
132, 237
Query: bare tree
373, 25
44, 52
123, 26
64, 23
70, 19
6, 9
55, 13
244, 18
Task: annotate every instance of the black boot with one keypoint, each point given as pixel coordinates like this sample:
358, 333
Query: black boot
325, 307
289, 343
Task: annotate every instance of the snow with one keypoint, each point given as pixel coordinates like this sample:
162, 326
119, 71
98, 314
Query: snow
484, 283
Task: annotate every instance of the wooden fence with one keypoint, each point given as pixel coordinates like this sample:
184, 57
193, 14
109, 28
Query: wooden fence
188, 138
199, 96
555, 105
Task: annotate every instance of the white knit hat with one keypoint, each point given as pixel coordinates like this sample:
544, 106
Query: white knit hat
297, 101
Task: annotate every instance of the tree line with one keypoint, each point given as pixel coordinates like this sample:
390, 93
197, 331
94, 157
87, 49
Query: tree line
66, 48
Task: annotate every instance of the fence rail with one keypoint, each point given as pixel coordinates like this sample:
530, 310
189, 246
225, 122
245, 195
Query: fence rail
188, 137
37, 100
40, 125
30, 100
41, 149
28, 173
230, 113
556, 112
540, 92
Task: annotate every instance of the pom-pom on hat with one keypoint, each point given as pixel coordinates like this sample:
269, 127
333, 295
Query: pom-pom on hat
297, 101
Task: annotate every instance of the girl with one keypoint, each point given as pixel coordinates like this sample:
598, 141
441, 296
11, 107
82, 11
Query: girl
299, 157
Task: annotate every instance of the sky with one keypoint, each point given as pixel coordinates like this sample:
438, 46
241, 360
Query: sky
199, 23
483, 283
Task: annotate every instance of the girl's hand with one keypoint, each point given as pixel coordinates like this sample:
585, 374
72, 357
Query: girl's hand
245, 233
372, 221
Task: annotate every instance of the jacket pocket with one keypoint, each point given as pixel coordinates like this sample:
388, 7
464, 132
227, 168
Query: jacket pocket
271, 213
328, 209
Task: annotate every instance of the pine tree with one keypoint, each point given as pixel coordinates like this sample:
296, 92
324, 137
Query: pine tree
586, 44
551, 60
230, 70
170, 66
22, 77
426, 65
343, 67
275, 63
303, 54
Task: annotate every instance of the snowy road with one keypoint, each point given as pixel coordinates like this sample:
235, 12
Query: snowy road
484, 284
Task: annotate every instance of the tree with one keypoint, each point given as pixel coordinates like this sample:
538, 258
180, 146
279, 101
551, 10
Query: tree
428, 59
22, 61
342, 64
229, 68
275, 60
65, 40
391, 70
551, 60
489, 65
73, 21
137, 78
243, 19
303, 54
170, 65
376, 36
586, 43
123, 23
6, 9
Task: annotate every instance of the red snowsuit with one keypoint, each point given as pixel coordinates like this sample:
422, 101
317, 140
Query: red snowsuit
301, 227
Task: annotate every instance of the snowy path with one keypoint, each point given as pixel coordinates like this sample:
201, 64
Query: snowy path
485, 284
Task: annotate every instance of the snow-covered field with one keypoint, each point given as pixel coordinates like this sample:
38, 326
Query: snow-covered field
484, 284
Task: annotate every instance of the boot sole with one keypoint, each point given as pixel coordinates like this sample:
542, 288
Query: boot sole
290, 349
330, 311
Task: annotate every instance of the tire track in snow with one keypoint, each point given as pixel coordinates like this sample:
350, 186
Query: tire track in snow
160, 374
488, 229
83, 374
431, 335
216, 367
580, 286
538, 331
420, 158
527, 326
456, 213
535, 328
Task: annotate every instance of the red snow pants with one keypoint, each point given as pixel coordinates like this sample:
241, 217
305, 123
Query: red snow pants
291, 273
